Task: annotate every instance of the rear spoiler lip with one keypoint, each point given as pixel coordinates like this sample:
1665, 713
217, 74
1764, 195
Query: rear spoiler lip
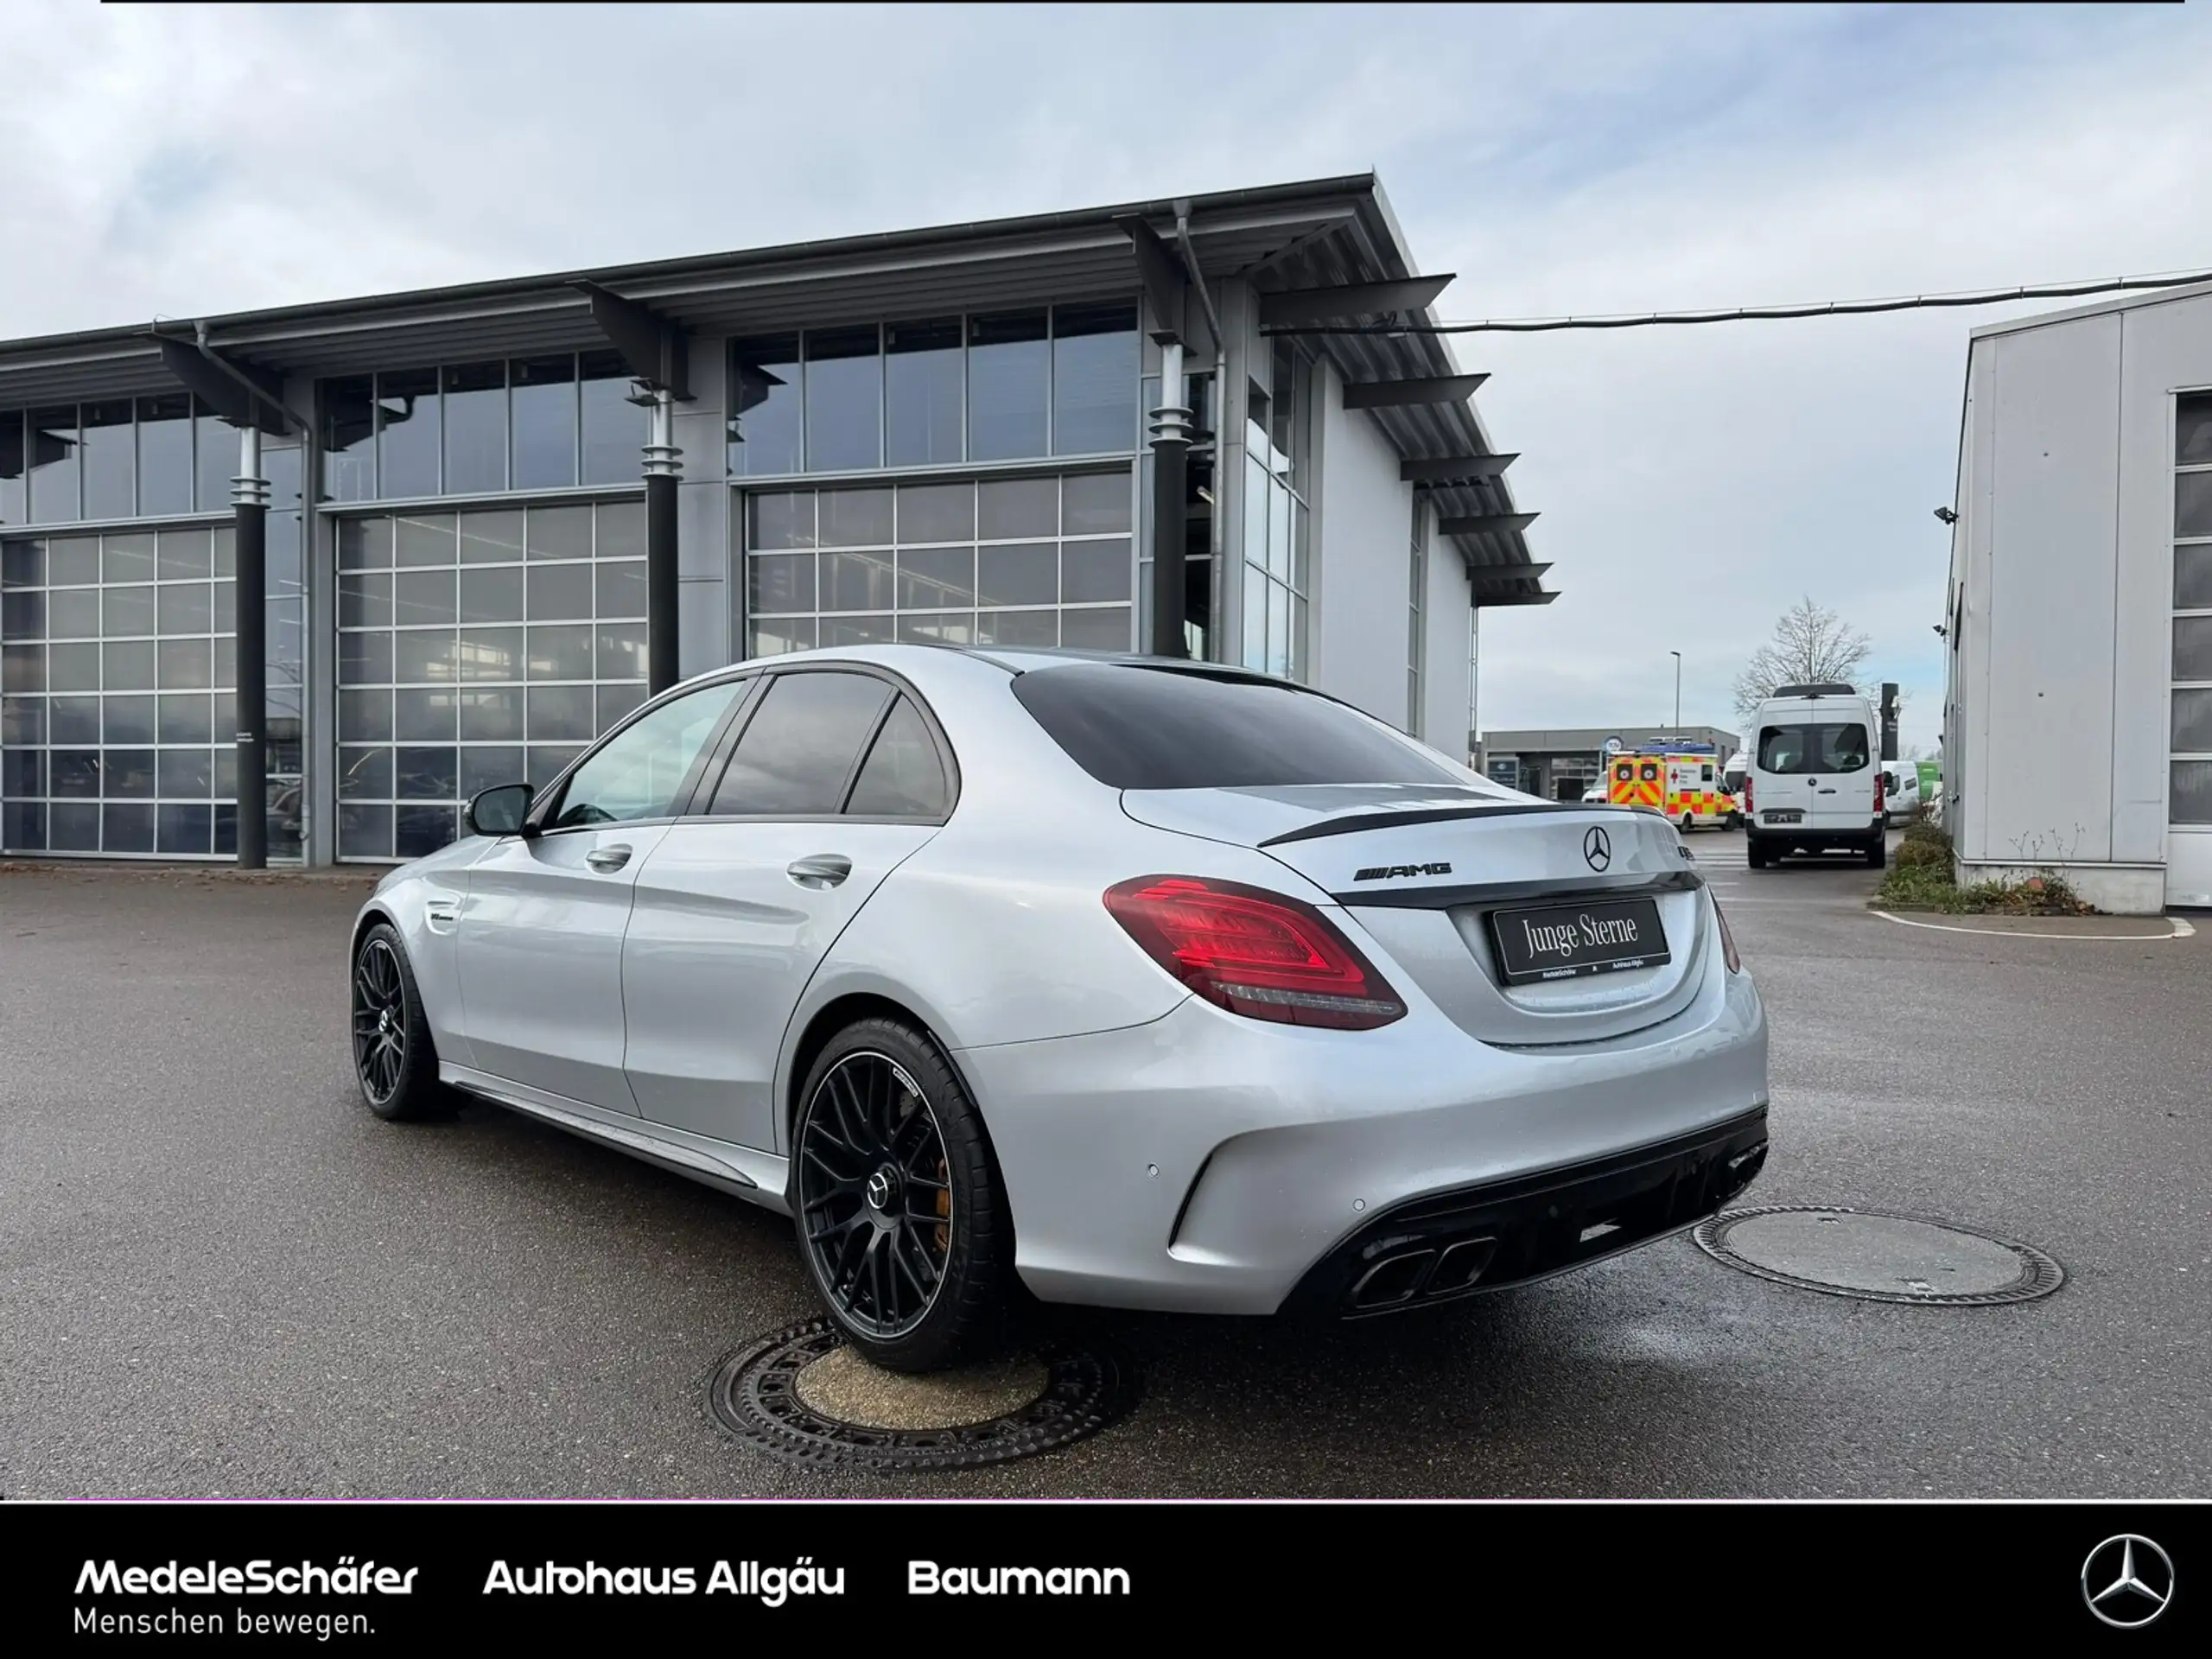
1632, 886
1352, 823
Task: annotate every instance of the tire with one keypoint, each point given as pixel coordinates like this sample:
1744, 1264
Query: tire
1877, 852
1689, 822
1755, 854
897, 1199
395, 1061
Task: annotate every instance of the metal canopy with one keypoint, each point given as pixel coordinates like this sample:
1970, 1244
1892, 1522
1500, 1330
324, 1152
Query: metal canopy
1349, 300
241, 395
650, 343
1508, 573
1485, 599
1486, 523
1454, 469
1427, 388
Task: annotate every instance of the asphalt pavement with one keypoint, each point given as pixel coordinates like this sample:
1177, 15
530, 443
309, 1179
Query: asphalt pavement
220, 1276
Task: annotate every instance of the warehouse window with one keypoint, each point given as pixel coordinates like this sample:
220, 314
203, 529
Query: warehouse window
1276, 437
480, 428
475, 649
1011, 385
1000, 561
123, 458
2190, 794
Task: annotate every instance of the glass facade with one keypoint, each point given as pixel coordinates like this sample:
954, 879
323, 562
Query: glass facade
1277, 440
477, 648
2190, 785
480, 429
1039, 560
123, 458
1010, 386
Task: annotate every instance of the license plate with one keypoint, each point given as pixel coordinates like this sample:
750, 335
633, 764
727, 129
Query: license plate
1792, 816
1607, 936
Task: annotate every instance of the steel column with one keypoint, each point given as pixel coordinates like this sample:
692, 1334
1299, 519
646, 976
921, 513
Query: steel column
1171, 456
663, 465
250, 501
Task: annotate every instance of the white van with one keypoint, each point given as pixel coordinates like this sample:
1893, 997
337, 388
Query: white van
1813, 785
1901, 790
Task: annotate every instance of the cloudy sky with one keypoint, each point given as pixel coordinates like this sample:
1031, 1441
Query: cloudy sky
175, 160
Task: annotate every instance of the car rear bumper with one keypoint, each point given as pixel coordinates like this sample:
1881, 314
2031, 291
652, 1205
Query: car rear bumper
1211, 1163
1514, 1232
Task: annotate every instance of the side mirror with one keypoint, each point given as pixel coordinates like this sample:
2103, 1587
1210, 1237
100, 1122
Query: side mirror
500, 810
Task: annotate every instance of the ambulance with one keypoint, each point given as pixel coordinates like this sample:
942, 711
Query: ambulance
1679, 781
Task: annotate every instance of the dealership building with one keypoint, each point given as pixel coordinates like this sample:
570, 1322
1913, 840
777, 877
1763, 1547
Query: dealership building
352, 562
2077, 731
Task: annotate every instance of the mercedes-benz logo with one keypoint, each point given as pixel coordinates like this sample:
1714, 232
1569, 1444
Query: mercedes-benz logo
1598, 847
2127, 1581
879, 1188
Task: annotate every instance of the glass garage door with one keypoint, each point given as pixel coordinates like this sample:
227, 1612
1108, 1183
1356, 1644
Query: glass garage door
117, 710
474, 649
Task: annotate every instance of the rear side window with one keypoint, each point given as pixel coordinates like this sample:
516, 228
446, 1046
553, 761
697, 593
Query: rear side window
798, 748
1813, 747
902, 777
1135, 727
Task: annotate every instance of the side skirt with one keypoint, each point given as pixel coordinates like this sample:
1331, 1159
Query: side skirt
757, 1177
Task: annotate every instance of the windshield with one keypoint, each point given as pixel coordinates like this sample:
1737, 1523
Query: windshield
1813, 747
1135, 727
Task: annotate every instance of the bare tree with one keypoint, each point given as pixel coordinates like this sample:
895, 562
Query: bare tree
1811, 645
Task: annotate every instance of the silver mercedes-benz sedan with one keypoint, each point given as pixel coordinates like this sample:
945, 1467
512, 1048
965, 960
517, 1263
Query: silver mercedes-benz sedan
1142, 983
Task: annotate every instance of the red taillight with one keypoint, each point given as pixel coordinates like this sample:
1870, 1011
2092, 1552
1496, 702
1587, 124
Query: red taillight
1747, 794
1727, 939
1256, 953
1878, 791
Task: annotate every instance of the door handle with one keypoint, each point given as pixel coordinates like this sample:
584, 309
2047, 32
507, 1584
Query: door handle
606, 860
1827, 791
823, 870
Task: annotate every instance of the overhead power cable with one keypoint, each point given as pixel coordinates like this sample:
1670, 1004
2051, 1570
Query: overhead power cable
1755, 313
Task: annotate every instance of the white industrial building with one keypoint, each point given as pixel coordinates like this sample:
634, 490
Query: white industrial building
2078, 718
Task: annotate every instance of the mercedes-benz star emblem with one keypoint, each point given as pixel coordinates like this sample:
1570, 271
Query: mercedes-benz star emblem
878, 1188
2127, 1581
1598, 847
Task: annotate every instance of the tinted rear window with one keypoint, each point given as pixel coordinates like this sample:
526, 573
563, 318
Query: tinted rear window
1813, 747
1159, 728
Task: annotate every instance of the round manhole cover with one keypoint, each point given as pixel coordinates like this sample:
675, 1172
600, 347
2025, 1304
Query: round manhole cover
804, 1395
1878, 1258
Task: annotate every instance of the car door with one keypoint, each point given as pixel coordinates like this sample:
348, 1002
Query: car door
539, 942
834, 777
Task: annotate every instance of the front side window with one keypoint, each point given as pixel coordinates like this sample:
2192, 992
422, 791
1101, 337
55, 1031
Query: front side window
1813, 747
798, 752
636, 773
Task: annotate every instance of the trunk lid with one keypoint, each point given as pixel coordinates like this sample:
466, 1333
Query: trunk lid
1432, 874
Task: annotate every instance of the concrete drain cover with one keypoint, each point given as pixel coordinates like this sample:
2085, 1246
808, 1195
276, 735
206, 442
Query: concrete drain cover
804, 1395
1878, 1258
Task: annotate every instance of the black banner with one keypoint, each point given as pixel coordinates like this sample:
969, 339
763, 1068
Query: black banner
372, 1577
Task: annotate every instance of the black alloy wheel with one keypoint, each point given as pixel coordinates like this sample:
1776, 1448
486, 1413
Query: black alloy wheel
895, 1198
379, 1021
395, 1061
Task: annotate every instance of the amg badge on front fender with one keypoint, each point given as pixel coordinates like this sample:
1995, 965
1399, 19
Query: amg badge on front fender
1389, 872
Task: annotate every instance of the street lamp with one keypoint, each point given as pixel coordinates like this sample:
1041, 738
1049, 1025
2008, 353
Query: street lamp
1677, 656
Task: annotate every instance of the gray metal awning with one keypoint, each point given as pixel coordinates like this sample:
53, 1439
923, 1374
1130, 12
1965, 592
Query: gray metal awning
1294, 242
